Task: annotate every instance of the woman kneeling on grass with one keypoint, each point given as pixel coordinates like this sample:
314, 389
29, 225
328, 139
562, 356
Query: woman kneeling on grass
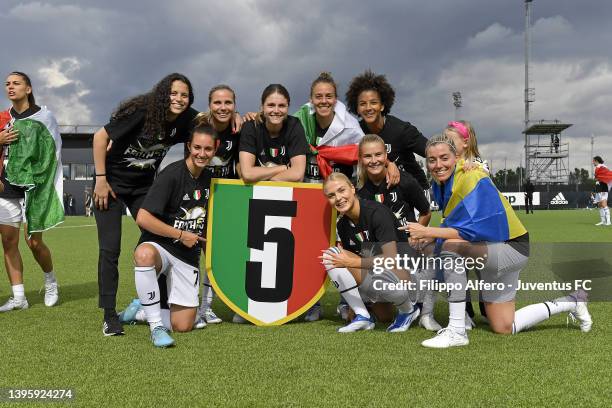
479, 224
366, 229
173, 220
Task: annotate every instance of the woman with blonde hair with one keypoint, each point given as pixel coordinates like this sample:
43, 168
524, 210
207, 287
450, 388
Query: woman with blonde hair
369, 233
402, 199
480, 226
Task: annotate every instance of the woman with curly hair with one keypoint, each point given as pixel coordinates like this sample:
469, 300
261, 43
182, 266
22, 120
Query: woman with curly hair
371, 97
127, 152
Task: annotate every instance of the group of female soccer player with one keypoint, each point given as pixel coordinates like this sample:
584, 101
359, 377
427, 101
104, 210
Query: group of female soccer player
320, 143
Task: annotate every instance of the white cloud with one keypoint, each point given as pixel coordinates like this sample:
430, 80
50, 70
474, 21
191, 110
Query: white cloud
552, 28
492, 35
63, 93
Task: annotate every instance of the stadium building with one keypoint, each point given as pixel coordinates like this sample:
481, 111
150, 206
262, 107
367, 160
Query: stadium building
77, 162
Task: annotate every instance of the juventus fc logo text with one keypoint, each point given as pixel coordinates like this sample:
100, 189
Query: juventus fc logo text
151, 295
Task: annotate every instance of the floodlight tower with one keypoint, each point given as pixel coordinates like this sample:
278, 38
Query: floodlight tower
529, 92
457, 101
546, 155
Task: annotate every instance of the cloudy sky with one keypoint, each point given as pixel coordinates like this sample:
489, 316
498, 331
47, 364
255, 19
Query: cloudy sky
84, 57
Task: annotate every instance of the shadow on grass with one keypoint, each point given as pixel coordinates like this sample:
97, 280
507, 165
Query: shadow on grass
67, 293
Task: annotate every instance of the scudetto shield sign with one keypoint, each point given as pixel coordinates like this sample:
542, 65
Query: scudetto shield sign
263, 245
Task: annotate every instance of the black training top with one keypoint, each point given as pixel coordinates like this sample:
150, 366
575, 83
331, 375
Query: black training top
402, 199
377, 225
223, 165
130, 165
402, 141
601, 187
181, 201
291, 142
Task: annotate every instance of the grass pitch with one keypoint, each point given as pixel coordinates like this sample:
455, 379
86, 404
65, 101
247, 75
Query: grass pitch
298, 364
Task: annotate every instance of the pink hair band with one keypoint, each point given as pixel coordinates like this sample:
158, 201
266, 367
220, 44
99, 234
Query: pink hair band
461, 129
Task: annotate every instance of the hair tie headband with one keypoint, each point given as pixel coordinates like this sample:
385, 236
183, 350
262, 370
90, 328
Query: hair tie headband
461, 129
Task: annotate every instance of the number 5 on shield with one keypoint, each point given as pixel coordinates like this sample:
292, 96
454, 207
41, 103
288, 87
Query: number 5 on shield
269, 276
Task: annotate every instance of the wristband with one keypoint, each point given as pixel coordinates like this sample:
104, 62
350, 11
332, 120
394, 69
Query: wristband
101, 175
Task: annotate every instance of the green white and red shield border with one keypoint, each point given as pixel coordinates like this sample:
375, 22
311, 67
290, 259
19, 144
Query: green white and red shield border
219, 292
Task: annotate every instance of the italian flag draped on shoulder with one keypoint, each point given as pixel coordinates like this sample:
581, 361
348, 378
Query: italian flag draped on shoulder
339, 144
34, 163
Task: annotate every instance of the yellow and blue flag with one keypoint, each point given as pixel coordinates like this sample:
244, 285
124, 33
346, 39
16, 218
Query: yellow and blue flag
473, 206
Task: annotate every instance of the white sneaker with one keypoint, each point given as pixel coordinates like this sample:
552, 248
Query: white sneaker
51, 294
359, 323
199, 323
238, 319
608, 223
600, 223
314, 313
13, 304
428, 322
210, 317
469, 323
343, 311
447, 338
581, 313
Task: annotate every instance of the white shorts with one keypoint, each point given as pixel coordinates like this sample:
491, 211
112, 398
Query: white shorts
503, 267
182, 279
11, 211
601, 196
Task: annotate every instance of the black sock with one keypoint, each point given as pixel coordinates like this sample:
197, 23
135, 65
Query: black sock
469, 309
110, 312
483, 311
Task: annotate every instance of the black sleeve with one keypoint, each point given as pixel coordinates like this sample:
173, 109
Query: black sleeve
363, 193
342, 236
160, 192
117, 129
184, 125
383, 225
236, 154
248, 138
296, 141
414, 139
414, 193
